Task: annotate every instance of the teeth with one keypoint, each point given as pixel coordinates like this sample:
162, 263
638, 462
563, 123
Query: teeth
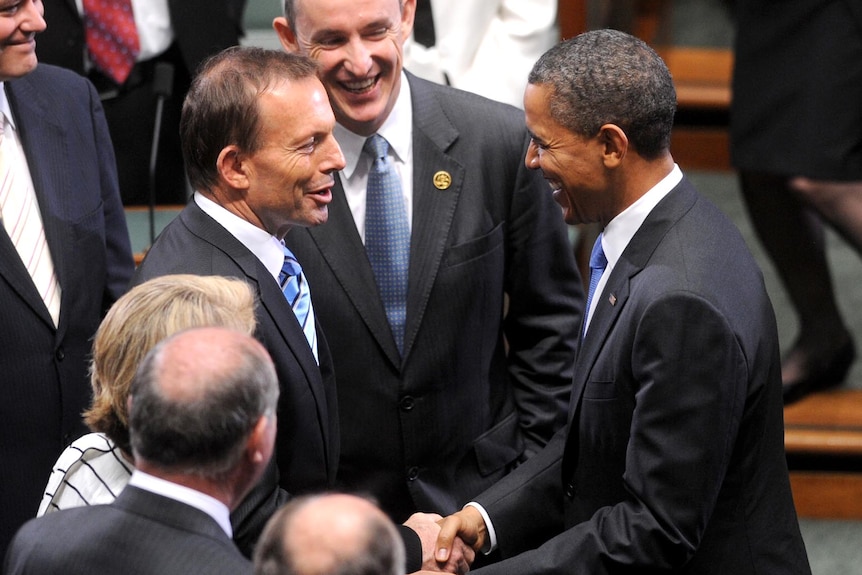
359, 86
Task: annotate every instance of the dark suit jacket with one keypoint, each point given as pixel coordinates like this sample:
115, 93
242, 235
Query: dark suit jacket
431, 430
140, 533
308, 437
674, 460
201, 27
44, 385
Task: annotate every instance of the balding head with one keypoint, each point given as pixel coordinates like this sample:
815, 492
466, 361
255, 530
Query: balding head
197, 397
330, 535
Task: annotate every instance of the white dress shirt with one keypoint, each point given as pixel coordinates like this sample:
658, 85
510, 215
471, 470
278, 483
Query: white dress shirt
209, 505
266, 247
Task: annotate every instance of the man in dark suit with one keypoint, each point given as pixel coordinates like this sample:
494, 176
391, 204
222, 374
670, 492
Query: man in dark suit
53, 122
481, 376
673, 460
181, 33
257, 137
202, 429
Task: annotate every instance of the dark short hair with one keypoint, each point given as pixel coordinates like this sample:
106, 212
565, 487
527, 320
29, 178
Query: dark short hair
610, 77
204, 432
221, 106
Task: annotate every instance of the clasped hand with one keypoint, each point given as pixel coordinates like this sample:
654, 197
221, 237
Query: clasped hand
448, 544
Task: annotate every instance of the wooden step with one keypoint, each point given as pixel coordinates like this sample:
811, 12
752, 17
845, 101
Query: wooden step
823, 441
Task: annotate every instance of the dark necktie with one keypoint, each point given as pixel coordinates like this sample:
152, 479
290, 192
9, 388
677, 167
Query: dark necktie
112, 37
423, 24
295, 288
387, 235
598, 263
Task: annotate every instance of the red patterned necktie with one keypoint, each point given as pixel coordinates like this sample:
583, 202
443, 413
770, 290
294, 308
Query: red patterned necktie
112, 37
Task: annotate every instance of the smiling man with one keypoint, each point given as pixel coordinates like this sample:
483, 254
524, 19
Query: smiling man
673, 461
64, 256
257, 138
464, 375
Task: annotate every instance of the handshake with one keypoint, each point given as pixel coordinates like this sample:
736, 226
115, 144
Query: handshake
449, 544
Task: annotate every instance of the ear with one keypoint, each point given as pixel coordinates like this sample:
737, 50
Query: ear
261, 440
615, 144
408, 13
232, 168
285, 34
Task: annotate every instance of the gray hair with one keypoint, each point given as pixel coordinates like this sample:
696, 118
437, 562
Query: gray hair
196, 398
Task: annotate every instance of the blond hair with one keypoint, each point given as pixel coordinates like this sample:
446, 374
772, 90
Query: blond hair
144, 316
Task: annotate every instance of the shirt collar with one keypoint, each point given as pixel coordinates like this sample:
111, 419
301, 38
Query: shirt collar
5, 109
191, 497
266, 247
397, 129
620, 230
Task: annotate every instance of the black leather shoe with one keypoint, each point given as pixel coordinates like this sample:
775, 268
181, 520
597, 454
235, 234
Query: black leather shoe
824, 376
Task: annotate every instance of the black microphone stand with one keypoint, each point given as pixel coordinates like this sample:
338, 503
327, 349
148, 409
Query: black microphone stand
163, 80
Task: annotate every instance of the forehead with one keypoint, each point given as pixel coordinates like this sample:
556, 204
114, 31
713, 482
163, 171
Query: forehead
537, 108
295, 107
344, 14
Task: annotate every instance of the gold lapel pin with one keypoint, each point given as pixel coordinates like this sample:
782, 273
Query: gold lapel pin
613, 299
442, 180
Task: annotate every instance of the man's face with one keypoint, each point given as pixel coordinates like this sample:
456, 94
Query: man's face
571, 163
20, 20
358, 44
290, 176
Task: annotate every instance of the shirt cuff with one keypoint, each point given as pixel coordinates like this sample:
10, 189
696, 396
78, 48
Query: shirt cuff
491, 541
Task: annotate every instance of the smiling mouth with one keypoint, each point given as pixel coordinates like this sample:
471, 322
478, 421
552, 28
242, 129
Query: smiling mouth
360, 86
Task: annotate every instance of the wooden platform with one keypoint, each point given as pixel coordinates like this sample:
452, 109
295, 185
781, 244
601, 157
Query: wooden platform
823, 441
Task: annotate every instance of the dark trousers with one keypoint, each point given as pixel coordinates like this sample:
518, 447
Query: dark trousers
130, 111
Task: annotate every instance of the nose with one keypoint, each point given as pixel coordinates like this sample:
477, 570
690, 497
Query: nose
33, 16
531, 160
334, 157
358, 61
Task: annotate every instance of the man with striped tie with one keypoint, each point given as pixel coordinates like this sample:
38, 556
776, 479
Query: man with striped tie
64, 257
257, 140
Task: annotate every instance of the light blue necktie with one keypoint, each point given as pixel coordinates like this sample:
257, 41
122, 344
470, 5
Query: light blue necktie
295, 288
598, 263
387, 235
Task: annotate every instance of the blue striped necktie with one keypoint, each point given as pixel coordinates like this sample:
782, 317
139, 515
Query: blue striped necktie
295, 288
387, 235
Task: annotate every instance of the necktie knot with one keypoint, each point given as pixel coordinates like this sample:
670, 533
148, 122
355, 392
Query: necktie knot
598, 261
290, 268
377, 147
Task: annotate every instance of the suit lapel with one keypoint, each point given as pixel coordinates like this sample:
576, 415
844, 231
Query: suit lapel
44, 142
433, 203
342, 248
271, 299
614, 297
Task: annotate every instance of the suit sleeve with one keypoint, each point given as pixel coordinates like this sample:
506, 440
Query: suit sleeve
688, 407
119, 263
545, 306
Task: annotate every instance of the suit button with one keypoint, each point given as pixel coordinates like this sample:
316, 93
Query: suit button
570, 490
60, 354
407, 403
412, 473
